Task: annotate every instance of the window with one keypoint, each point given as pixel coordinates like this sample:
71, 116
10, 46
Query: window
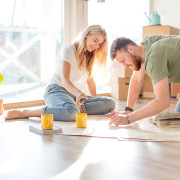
30, 39
119, 18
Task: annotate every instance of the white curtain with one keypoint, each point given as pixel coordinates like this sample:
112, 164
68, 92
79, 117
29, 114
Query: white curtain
75, 18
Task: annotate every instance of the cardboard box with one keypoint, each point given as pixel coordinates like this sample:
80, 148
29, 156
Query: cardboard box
165, 30
178, 96
175, 90
119, 88
149, 95
118, 70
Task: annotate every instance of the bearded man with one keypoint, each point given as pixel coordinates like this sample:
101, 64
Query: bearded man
159, 57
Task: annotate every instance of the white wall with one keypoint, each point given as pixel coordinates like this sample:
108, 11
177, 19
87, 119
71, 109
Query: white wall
170, 9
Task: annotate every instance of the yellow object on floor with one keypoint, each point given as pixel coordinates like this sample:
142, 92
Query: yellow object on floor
1, 78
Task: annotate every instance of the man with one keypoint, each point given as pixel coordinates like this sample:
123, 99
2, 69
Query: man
159, 57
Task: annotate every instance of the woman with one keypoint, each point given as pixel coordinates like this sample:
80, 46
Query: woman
66, 95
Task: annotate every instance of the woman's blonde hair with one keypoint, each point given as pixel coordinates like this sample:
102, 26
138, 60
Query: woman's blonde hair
89, 57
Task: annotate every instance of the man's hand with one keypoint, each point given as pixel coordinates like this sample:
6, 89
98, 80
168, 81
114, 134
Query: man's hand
79, 96
119, 119
126, 112
122, 112
113, 113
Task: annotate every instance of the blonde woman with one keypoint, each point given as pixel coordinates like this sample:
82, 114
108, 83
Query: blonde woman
66, 95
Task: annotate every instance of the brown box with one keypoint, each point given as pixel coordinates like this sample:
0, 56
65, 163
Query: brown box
175, 90
147, 88
178, 96
165, 30
118, 70
119, 88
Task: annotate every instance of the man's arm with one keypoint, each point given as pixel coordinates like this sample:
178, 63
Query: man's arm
161, 102
136, 82
91, 86
135, 86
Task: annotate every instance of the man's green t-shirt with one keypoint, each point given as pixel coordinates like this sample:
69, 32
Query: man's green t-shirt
162, 57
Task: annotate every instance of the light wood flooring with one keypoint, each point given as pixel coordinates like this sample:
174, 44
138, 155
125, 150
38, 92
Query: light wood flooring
26, 156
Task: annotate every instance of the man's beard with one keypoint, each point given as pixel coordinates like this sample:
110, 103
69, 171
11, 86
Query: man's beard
137, 61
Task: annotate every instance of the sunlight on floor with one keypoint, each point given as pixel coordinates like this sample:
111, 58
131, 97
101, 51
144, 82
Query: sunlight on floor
11, 165
97, 156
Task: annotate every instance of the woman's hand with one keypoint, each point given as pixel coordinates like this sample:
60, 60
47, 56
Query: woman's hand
119, 119
79, 96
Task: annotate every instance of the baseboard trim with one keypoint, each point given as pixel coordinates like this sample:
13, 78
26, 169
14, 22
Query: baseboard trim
104, 94
24, 104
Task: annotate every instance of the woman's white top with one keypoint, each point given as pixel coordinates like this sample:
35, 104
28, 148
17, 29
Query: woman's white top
77, 77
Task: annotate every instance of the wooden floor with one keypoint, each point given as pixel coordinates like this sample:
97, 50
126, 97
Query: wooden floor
26, 156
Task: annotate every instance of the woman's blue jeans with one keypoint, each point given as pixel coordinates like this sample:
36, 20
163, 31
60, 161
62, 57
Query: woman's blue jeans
62, 104
178, 106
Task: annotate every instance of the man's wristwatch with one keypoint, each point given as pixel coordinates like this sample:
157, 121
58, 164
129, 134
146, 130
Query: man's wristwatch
128, 109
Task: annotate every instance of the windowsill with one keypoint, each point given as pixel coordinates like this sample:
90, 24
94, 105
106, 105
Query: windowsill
22, 95
22, 92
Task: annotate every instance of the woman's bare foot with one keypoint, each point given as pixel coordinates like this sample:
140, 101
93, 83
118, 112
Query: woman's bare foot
15, 114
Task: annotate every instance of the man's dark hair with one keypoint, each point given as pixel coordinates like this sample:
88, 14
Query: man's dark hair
120, 43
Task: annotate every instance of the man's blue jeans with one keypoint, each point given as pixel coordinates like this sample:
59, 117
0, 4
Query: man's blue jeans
178, 106
62, 104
